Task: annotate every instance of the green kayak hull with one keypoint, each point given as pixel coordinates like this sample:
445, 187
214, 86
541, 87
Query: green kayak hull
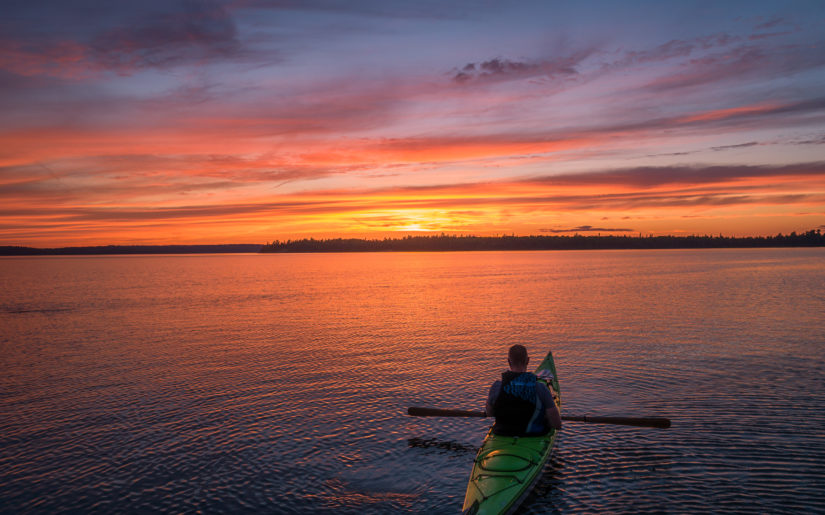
507, 467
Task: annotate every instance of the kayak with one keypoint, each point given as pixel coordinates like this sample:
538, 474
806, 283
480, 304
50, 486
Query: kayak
507, 468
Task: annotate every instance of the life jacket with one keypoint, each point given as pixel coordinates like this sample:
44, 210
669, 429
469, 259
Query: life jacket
518, 408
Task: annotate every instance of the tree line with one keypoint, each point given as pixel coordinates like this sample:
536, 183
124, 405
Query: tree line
444, 242
130, 249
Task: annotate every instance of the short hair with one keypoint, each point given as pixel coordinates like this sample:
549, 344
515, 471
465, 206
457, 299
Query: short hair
517, 355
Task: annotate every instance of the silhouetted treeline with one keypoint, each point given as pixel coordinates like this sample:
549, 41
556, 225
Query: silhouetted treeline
443, 242
131, 249
813, 238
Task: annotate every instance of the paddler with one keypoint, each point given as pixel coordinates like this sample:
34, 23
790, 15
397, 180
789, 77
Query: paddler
522, 405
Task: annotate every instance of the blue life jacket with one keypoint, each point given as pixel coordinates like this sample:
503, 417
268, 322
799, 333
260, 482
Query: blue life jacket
518, 410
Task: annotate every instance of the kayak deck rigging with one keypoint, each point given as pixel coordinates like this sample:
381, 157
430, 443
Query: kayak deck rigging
494, 467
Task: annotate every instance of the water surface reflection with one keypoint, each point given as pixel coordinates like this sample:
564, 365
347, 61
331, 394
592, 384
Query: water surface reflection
279, 383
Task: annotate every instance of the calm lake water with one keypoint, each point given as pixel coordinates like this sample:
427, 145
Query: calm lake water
279, 383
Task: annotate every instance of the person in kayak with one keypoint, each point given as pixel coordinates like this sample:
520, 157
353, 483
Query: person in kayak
521, 405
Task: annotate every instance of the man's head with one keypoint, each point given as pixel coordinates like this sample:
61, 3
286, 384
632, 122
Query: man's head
517, 358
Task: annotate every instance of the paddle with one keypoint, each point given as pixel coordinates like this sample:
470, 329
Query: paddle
659, 422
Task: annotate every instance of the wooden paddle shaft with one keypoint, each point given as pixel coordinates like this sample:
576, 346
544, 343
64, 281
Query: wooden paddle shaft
435, 412
659, 422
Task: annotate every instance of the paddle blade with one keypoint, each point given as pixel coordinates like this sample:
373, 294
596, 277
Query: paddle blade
658, 422
435, 412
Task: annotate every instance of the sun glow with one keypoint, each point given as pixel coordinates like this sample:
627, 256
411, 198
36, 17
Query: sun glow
406, 220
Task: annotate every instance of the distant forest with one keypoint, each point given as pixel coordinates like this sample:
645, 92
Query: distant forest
130, 249
443, 242
813, 238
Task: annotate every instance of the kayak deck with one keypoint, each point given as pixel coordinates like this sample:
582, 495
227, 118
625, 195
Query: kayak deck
507, 467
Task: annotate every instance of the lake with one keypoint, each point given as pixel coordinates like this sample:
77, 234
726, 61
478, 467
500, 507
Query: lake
279, 382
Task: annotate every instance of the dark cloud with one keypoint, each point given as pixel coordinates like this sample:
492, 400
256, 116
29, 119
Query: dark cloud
494, 68
714, 149
585, 228
740, 145
499, 66
673, 154
813, 141
500, 69
505, 69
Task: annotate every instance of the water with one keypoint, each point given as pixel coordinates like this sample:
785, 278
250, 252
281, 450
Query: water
279, 383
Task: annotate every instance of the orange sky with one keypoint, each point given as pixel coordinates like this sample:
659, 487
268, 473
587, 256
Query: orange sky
233, 124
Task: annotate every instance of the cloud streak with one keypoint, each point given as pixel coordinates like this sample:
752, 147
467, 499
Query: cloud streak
634, 193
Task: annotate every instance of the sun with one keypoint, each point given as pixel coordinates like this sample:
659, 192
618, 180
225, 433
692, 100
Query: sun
413, 227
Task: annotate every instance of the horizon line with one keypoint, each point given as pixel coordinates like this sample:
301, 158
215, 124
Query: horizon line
625, 234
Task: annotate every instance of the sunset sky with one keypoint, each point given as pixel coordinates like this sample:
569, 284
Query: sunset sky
158, 122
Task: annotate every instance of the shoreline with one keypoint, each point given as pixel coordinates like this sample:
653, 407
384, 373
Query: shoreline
445, 243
